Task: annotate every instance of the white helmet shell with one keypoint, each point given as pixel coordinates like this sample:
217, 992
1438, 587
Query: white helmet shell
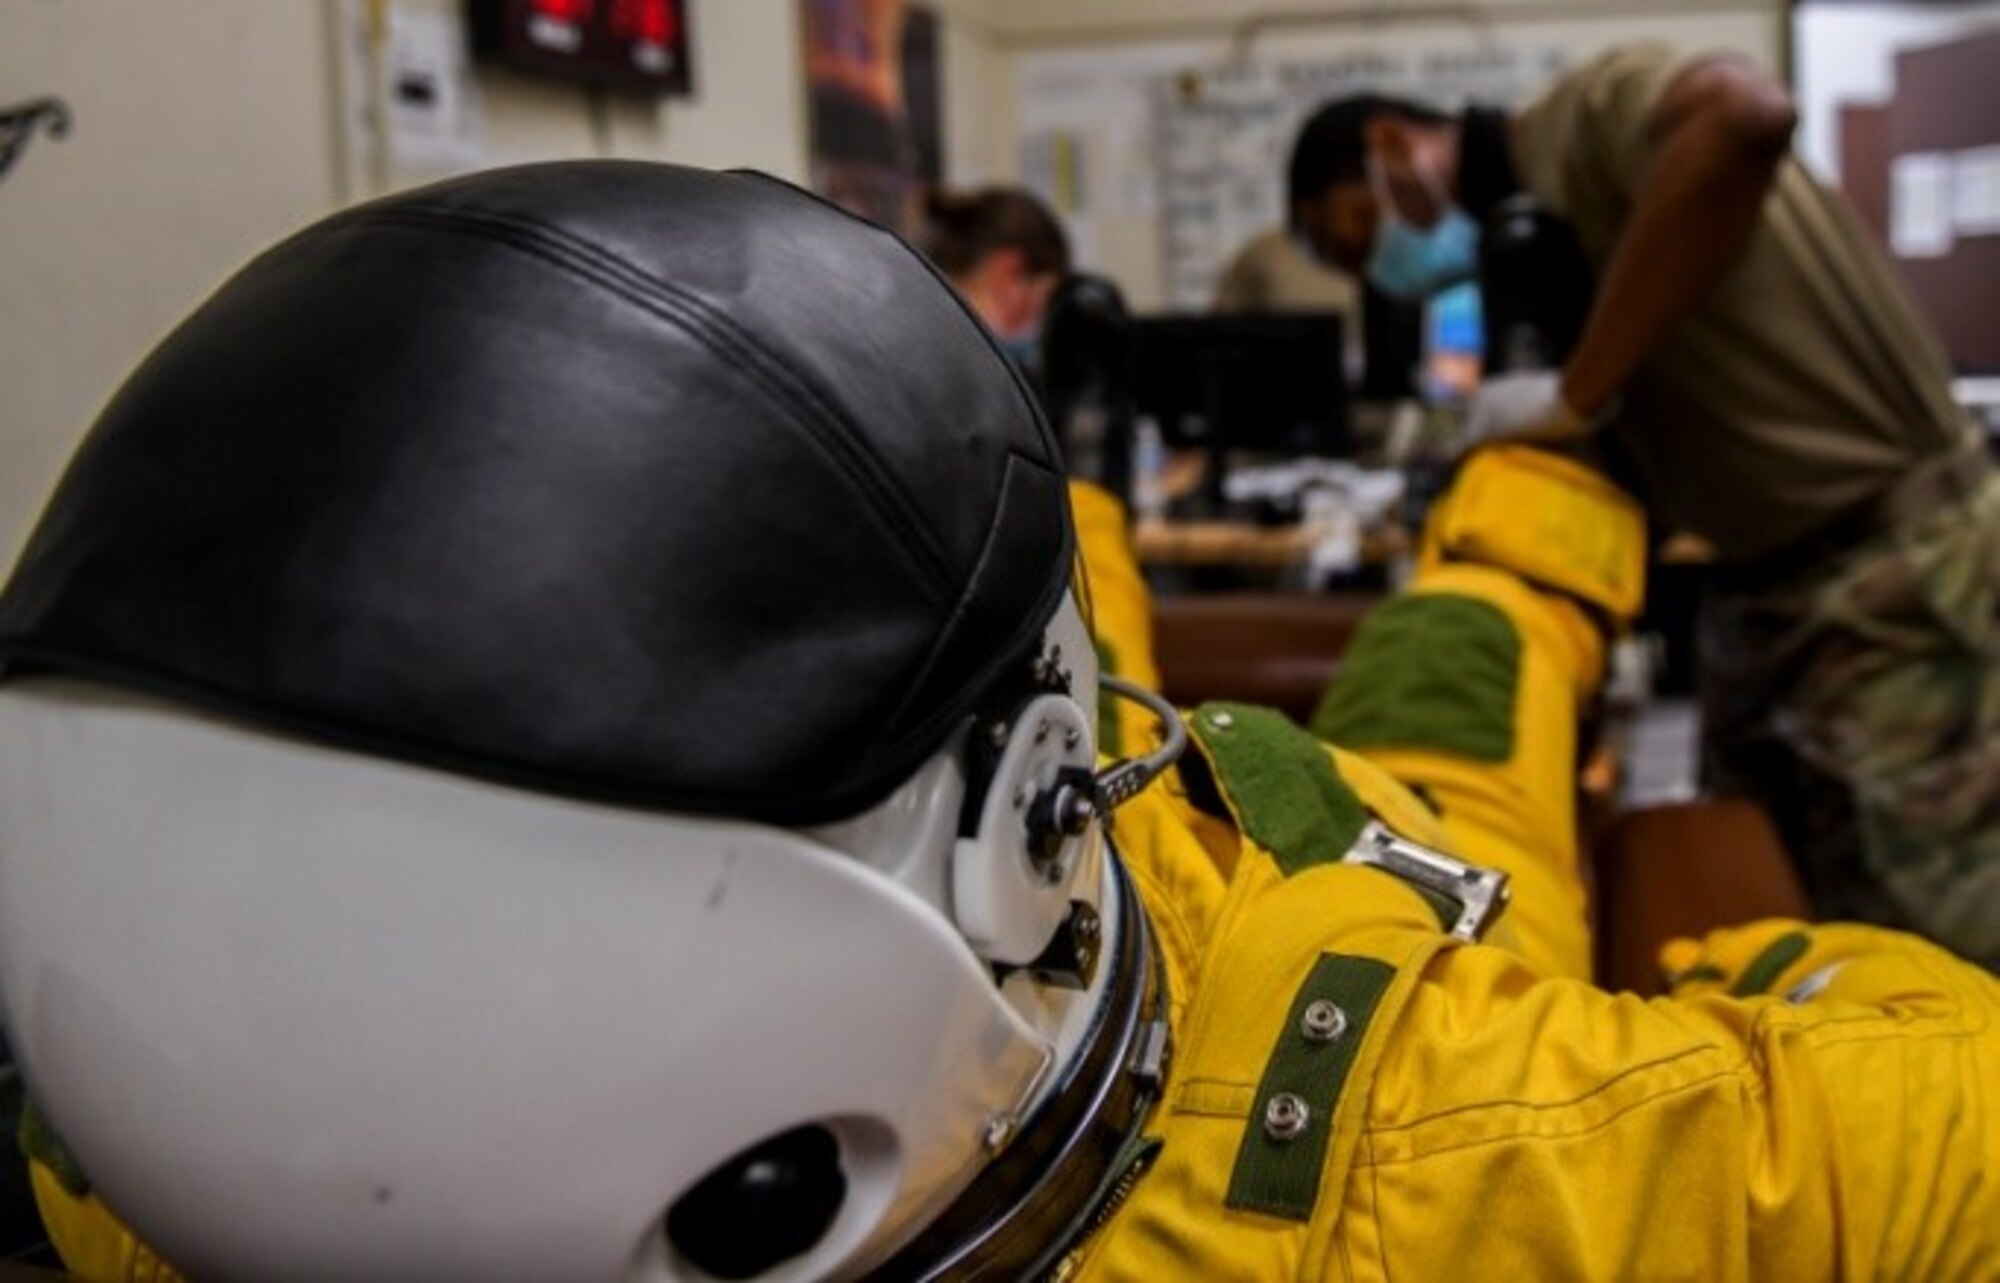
309, 1013
614, 814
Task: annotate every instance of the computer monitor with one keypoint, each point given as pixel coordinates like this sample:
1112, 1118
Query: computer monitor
1256, 382
1454, 343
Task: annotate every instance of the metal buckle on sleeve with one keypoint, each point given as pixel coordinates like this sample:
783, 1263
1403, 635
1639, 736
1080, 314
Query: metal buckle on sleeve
1470, 898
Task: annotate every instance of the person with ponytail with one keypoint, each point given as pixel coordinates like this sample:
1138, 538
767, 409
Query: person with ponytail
1005, 253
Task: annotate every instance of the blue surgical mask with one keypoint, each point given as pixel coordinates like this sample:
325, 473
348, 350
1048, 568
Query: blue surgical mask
1024, 348
1410, 262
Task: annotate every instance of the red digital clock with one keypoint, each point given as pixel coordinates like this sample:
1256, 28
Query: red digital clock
634, 44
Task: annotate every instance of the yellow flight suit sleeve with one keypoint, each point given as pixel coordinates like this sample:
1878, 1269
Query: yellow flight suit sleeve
1519, 815
1877, 1127
1815, 1103
1515, 517
1180, 879
1120, 609
1470, 689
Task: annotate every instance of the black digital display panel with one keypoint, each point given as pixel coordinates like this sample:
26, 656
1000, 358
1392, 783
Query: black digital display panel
631, 44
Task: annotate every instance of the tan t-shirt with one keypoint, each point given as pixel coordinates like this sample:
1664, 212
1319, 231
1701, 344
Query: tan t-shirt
1270, 273
1805, 385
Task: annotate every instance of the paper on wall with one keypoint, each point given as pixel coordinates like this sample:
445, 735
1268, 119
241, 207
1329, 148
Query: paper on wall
1920, 209
410, 106
1975, 192
428, 93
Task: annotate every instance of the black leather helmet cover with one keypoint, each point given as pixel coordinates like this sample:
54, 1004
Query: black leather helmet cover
675, 488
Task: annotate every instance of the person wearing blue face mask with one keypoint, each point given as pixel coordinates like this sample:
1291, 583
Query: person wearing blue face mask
1374, 185
1411, 262
1752, 353
1005, 254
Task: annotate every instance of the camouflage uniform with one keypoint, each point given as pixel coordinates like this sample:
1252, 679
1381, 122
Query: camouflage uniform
1861, 700
1800, 419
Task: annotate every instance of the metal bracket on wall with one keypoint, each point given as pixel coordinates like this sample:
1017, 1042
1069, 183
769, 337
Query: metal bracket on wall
18, 124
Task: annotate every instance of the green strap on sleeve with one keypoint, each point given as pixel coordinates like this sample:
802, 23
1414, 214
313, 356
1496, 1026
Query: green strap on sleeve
1282, 785
1279, 1160
1433, 671
1765, 969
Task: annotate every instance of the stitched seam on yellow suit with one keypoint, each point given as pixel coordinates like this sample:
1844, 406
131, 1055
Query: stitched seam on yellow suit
1214, 1098
1747, 1069
1510, 1138
1823, 1028
1544, 1106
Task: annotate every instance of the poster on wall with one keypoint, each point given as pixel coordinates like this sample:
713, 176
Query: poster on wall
874, 99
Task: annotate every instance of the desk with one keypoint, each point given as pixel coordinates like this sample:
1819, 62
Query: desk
1243, 543
1278, 649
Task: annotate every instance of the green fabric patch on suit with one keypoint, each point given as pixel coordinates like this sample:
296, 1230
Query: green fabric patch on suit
1765, 969
1435, 671
1281, 783
1285, 1139
38, 1140
1110, 740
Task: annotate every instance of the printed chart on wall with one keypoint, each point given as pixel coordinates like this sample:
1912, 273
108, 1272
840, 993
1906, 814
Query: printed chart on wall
1225, 134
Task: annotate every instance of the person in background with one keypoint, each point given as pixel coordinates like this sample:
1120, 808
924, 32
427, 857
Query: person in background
1755, 357
1273, 272
1005, 254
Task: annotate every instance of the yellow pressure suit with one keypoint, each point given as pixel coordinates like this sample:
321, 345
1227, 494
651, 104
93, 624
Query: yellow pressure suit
1813, 1102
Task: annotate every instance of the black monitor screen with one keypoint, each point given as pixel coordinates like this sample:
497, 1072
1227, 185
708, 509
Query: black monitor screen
1269, 383
1392, 345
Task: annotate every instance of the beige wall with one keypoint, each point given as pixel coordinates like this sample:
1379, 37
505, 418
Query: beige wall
206, 129
979, 94
201, 131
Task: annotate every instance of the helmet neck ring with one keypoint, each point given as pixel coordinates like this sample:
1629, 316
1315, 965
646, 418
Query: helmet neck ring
1043, 1190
